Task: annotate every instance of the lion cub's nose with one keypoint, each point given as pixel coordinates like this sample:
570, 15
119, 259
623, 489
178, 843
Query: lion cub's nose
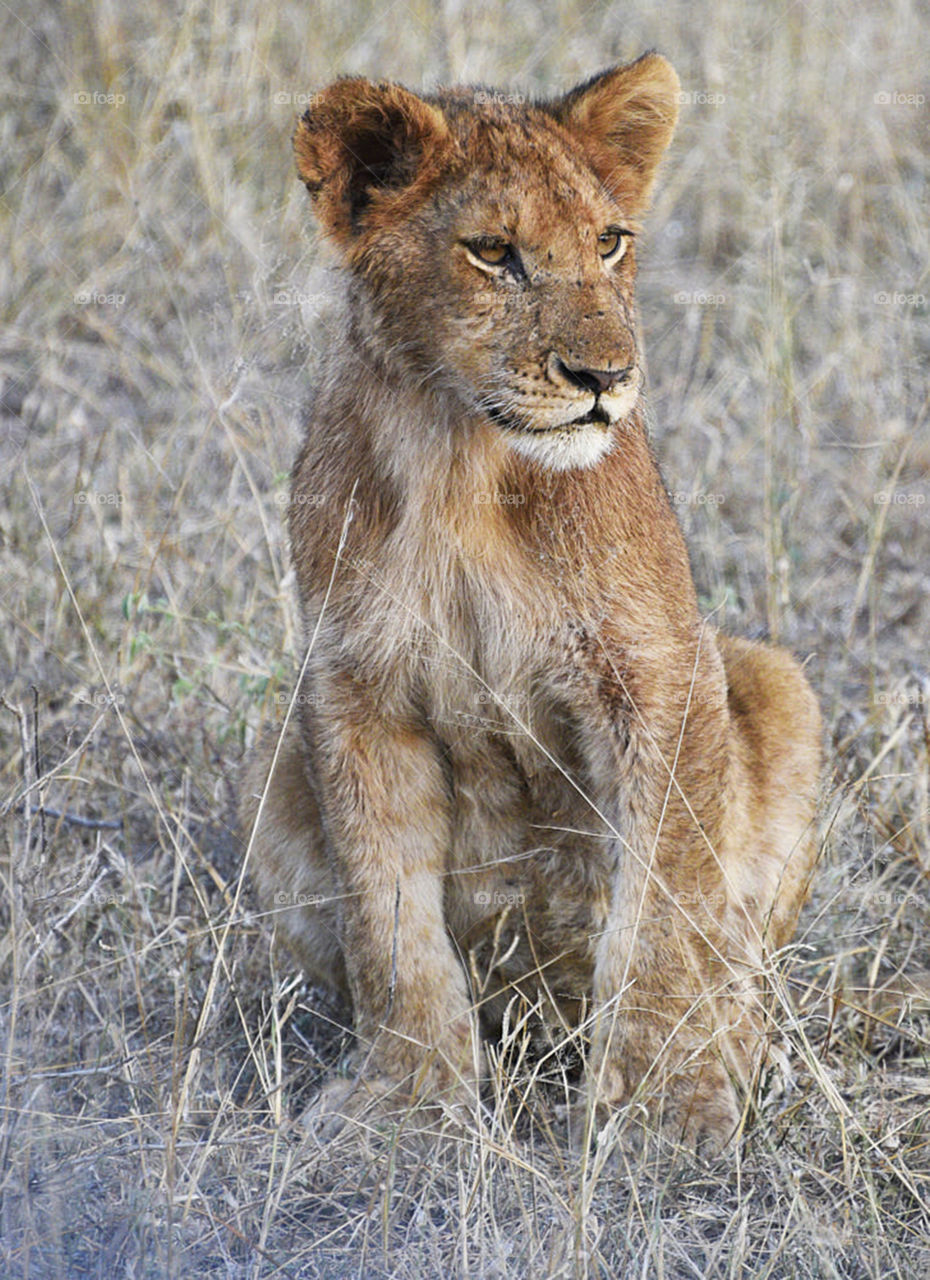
596, 380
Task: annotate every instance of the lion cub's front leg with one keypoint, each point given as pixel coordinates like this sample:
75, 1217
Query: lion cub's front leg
712, 866
385, 813
678, 1026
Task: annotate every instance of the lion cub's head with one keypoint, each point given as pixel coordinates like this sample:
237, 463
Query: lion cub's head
492, 244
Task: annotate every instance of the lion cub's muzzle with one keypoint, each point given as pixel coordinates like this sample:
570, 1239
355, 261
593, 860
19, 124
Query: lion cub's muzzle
615, 390
595, 380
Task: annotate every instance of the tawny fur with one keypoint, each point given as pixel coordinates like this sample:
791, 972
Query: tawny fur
512, 706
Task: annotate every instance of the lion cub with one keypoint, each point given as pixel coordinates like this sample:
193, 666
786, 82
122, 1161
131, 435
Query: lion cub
525, 764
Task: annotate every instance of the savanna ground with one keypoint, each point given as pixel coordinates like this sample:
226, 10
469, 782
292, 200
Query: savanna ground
158, 335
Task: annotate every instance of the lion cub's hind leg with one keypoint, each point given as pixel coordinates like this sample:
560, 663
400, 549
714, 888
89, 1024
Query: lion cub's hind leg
288, 862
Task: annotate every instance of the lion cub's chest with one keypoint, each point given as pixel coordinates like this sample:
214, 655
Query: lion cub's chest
486, 648
491, 670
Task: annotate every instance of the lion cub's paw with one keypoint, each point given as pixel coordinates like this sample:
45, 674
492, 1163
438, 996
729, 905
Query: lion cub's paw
380, 1105
634, 1131
701, 1118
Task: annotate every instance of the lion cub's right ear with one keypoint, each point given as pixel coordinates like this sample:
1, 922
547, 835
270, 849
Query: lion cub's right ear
368, 154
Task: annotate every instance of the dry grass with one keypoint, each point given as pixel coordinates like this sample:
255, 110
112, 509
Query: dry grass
154, 352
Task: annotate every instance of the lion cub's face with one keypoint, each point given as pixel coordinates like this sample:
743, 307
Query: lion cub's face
493, 244
540, 267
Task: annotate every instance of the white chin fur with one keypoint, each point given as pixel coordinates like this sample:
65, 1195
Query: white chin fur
563, 448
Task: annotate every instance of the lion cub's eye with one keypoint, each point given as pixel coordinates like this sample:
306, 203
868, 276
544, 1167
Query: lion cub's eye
493, 253
612, 242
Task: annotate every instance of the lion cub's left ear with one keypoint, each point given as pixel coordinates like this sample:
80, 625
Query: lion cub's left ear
625, 119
